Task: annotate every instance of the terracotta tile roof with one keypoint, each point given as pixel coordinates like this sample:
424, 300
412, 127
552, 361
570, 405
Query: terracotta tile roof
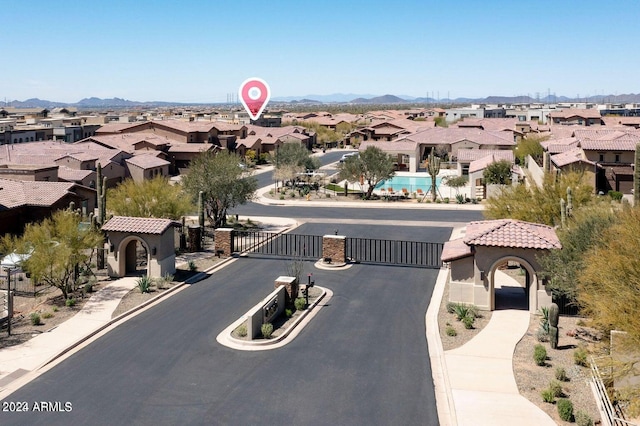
465, 155
607, 134
449, 135
65, 173
399, 145
573, 155
609, 145
455, 249
115, 127
140, 225
146, 161
482, 163
28, 193
192, 147
569, 112
511, 233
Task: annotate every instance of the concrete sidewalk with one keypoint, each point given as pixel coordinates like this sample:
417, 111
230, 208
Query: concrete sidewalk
18, 360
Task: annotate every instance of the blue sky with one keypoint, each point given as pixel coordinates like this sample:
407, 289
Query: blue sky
200, 51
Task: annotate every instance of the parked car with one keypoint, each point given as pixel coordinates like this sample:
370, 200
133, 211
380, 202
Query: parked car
350, 154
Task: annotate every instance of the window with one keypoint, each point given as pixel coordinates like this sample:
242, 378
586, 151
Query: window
617, 157
601, 157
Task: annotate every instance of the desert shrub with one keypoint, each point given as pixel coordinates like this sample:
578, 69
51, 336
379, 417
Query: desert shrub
580, 357
55, 309
288, 312
282, 197
451, 307
35, 318
565, 409
583, 419
144, 284
556, 387
541, 335
242, 330
47, 315
192, 266
468, 321
88, 288
445, 200
561, 374
547, 396
462, 311
540, 355
300, 303
451, 331
460, 199
70, 302
267, 330
615, 195
544, 321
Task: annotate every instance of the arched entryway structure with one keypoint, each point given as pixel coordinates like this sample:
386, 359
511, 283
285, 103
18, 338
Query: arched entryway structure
475, 261
125, 235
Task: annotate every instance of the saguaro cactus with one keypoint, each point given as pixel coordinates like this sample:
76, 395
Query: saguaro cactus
569, 201
101, 203
554, 313
636, 177
434, 168
563, 212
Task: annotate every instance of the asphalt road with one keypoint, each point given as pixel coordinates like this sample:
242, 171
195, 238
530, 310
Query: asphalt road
362, 360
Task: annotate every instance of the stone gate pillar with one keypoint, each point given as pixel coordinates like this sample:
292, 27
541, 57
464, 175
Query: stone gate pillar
334, 249
224, 241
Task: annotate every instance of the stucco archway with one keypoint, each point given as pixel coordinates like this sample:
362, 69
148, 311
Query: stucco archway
529, 296
127, 255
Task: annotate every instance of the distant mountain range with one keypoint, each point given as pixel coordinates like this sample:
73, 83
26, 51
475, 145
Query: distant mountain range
89, 103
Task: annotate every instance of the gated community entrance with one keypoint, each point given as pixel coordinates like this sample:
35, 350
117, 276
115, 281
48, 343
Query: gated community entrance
333, 249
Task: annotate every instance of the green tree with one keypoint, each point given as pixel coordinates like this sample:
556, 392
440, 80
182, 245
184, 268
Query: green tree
372, 166
151, 198
57, 246
223, 182
539, 204
498, 173
455, 182
530, 145
291, 159
583, 233
609, 291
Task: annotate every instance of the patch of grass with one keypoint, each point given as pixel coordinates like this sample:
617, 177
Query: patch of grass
55, 309
583, 419
47, 315
451, 331
468, 322
540, 355
580, 357
35, 318
70, 302
547, 396
561, 374
451, 306
556, 387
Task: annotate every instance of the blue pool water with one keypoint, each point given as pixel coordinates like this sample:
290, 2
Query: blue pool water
411, 183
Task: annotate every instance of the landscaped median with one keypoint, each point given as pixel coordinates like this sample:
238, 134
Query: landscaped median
285, 327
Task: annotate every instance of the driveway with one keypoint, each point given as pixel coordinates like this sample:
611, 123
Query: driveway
362, 360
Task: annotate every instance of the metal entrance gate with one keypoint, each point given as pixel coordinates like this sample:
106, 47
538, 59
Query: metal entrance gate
278, 244
395, 252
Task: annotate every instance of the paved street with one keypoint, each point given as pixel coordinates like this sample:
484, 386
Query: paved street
362, 360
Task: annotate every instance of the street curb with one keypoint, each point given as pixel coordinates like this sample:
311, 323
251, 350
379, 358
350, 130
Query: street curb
225, 339
198, 277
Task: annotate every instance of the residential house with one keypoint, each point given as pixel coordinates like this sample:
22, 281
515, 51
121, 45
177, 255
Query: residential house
576, 117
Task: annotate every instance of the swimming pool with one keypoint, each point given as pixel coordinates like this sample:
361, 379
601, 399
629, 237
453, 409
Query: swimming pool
410, 183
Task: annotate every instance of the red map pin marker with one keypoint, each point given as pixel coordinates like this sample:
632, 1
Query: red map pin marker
254, 94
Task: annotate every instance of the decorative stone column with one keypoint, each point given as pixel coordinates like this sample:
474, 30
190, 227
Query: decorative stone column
224, 241
291, 288
334, 249
194, 240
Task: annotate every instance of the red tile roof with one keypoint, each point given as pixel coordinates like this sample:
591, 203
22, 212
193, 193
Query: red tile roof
511, 233
29, 193
569, 112
455, 249
570, 156
465, 155
139, 225
147, 161
609, 145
